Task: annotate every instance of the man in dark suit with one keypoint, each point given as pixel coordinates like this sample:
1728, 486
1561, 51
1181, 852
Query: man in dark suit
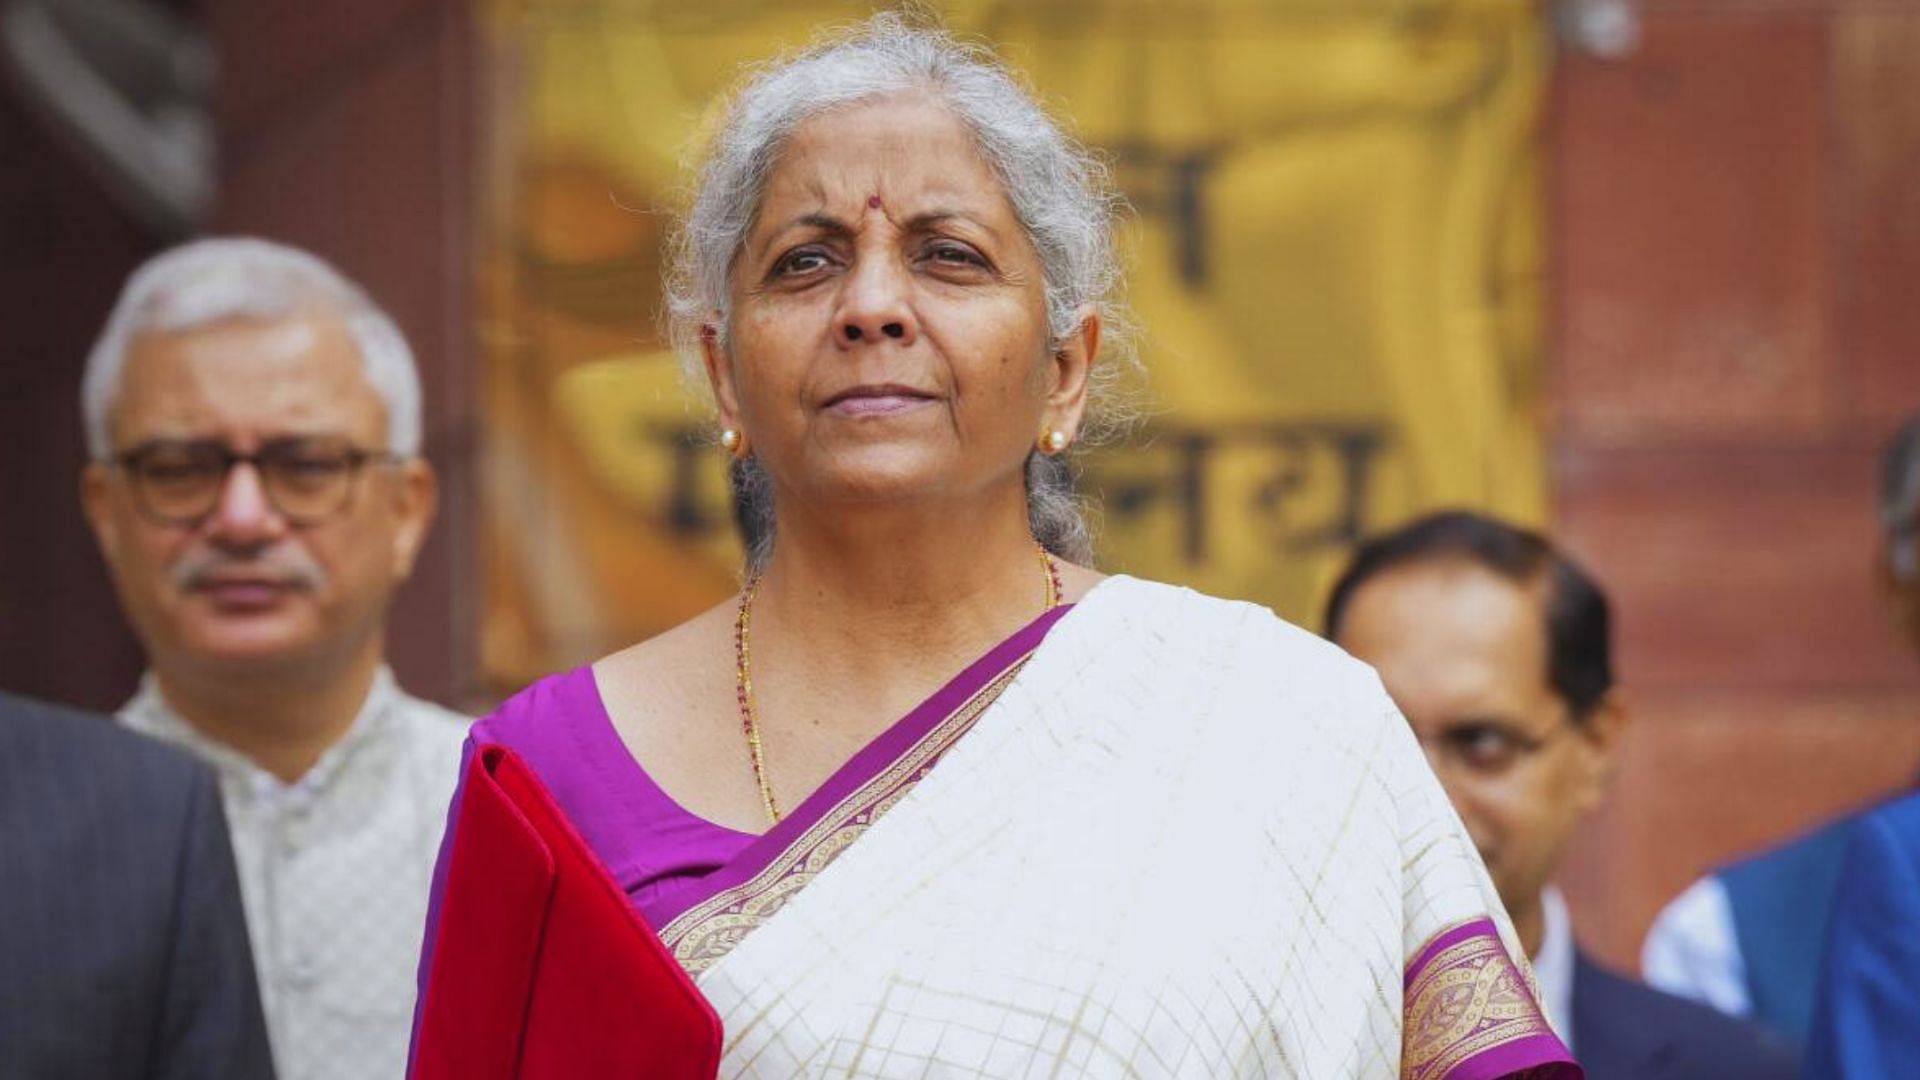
123, 947
1498, 649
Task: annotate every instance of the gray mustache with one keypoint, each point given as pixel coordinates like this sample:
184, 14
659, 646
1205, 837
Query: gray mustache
287, 565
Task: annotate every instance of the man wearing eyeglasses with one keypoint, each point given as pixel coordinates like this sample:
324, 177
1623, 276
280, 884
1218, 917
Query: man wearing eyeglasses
1497, 648
257, 491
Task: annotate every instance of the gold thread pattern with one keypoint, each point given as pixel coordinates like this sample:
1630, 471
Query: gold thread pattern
1467, 999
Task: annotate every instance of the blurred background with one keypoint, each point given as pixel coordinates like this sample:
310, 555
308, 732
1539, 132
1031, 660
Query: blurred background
1638, 271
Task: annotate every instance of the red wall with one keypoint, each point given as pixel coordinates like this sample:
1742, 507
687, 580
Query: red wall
64, 250
346, 129
1737, 222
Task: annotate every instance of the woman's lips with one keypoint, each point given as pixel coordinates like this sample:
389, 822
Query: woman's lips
877, 403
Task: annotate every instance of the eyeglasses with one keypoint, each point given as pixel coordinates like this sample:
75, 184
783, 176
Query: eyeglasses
1487, 748
306, 480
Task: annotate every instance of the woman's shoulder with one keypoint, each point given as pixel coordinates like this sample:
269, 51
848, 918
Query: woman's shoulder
564, 703
673, 666
540, 709
1239, 633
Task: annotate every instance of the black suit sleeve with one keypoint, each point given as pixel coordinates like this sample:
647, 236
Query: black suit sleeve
211, 1025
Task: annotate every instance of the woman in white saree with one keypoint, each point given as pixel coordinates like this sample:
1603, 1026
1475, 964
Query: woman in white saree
1141, 832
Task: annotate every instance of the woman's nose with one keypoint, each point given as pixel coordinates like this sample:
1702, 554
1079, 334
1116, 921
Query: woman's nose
856, 331
876, 308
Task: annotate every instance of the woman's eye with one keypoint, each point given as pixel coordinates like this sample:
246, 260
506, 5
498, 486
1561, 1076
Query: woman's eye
952, 254
801, 261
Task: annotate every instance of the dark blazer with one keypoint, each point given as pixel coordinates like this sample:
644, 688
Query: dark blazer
123, 943
1626, 1030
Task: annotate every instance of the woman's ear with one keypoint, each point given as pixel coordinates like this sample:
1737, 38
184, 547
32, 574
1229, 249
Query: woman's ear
1071, 367
720, 373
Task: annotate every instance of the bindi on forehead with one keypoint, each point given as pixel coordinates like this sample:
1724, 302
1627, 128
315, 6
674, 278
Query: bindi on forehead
873, 202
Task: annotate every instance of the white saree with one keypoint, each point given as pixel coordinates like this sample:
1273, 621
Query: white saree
1186, 840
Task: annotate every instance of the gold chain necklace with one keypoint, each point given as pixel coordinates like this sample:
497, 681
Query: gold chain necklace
743, 676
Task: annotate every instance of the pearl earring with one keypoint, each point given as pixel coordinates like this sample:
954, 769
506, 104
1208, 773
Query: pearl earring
1053, 441
731, 440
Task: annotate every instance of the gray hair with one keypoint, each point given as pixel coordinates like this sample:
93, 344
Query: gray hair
1060, 192
208, 281
1900, 501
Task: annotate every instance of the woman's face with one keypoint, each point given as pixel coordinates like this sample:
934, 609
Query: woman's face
889, 334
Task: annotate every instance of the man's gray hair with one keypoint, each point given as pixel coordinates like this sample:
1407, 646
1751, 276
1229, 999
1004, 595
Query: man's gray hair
1060, 192
1900, 501
208, 281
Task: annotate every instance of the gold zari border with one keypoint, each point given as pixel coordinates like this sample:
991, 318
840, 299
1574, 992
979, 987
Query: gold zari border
704, 933
1469, 998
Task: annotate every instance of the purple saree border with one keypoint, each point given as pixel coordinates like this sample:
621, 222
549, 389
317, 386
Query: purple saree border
870, 761
1531, 1051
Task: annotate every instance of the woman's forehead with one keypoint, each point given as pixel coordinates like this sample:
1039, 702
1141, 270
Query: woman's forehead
907, 152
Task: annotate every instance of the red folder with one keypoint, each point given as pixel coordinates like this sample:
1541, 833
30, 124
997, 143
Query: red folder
541, 967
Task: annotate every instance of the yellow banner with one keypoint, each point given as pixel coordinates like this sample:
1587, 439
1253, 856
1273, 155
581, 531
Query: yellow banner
1335, 256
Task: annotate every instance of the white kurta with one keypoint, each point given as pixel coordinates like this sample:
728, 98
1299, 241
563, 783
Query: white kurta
1693, 951
334, 872
1553, 965
1187, 840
